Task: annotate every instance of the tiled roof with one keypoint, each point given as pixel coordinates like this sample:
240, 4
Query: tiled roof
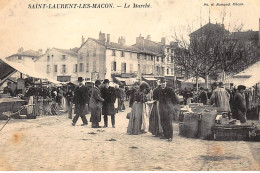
248, 35
209, 28
66, 51
29, 53
117, 46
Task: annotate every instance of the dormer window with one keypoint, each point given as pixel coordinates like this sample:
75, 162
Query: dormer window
19, 57
63, 57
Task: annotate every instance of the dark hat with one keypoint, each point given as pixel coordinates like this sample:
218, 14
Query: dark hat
241, 87
220, 84
80, 79
144, 85
97, 82
105, 81
163, 80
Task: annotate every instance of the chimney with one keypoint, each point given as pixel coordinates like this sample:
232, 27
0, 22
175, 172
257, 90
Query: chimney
163, 40
102, 37
20, 49
148, 37
140, 42
121, 41
82, 40
108, 38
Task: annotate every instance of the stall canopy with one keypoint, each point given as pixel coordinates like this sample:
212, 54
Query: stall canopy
150, 78
53, 81
254, 79
128, 81
244, 76
22, 69
7, 68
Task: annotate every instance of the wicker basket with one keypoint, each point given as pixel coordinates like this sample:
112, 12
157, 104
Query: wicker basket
232, 132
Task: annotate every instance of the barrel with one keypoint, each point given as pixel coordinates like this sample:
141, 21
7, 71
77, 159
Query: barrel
207, 123
191, 125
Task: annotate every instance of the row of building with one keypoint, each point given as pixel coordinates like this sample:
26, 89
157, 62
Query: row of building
103, 59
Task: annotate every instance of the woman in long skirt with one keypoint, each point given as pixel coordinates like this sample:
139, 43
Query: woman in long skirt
136, 123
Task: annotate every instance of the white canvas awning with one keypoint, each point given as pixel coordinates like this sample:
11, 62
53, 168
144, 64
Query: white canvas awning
14, 66
150, 78
193, 80
254, 79
128, 81
24, 69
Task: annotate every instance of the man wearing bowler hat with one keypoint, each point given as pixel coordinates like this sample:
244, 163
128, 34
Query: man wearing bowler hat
240, 104
109, 95
167, 99
80, 100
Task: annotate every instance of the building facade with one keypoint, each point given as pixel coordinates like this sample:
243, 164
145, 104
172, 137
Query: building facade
91, 60
58, 64
155, 60
102, 59
25, 57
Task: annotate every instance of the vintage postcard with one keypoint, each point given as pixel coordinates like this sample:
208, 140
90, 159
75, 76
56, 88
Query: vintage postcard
129, 85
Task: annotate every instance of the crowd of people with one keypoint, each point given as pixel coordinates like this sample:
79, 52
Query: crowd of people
107, 100
156, 104
235, 101
151, 109
102, 99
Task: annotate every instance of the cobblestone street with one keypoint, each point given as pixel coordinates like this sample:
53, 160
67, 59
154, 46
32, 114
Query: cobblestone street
50, 143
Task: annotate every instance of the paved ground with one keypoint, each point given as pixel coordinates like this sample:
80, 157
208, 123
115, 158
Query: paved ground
50, 143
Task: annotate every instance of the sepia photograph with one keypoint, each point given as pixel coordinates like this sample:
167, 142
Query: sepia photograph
129, 85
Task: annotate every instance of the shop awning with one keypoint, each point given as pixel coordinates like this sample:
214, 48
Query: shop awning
150, 79
128, 81
53, 81
180, 80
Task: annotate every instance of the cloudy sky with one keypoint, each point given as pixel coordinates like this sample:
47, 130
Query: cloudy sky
62, 28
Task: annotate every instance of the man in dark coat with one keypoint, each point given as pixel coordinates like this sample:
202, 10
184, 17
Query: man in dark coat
80, 100
203, 97
239, 104
167, 99
96, 105
109, 96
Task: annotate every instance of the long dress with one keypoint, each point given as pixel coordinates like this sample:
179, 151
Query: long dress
154, 121
137, 123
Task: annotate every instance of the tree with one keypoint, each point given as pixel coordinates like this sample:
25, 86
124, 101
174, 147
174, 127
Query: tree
212, 50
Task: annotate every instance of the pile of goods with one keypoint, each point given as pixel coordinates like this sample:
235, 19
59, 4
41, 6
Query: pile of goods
207, 122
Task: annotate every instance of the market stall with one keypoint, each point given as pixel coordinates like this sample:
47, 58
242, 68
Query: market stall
206, 122
16, 95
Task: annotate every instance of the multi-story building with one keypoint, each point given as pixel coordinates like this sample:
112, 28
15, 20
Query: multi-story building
102, 59
25, 57
58, 64
155, 60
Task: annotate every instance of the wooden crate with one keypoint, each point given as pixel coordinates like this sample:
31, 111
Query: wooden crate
232, 132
